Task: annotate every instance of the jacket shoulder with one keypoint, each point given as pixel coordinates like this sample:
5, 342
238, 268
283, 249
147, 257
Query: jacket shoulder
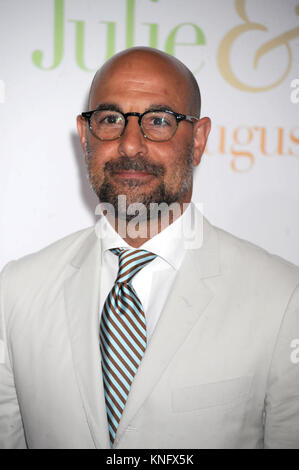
48, 261
252, 261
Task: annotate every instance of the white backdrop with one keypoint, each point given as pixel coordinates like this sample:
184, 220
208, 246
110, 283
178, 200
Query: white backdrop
245, 54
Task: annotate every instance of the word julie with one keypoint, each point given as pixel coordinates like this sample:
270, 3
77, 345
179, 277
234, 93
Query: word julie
111, 33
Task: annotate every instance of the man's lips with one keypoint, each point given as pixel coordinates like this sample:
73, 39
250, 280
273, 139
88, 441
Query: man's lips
132, 174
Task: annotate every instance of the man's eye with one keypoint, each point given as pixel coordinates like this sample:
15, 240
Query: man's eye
159, 121
110, 119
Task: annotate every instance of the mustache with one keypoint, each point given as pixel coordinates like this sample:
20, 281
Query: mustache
126, 163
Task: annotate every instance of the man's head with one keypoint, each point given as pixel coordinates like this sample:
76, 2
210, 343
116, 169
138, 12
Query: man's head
145, 171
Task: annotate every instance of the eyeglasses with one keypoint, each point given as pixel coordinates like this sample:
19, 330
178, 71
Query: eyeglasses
156, 124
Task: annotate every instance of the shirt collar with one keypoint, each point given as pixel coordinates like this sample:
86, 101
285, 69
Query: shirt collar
168, 244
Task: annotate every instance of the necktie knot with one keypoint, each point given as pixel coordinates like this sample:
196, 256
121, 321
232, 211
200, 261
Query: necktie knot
131, 261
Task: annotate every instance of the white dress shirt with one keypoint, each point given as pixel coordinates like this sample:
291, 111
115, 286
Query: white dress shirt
153, 283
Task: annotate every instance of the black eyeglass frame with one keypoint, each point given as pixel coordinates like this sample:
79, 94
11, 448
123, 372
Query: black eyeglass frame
178, 116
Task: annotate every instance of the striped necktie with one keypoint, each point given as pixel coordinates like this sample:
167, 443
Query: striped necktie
122, 334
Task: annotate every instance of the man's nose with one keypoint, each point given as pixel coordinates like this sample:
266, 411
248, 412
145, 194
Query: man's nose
132, 140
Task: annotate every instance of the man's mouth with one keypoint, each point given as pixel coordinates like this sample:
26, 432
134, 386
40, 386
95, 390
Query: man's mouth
133, 175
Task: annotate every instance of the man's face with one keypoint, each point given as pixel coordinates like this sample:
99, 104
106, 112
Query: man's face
143, 171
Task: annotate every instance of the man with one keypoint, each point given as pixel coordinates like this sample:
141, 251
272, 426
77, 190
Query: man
134, 335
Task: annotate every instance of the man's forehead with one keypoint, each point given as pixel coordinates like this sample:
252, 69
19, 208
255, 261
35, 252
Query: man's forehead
134, 98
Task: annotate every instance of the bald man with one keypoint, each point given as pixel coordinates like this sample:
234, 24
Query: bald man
153, 329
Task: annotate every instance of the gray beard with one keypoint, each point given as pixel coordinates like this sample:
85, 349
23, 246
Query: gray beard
107, 193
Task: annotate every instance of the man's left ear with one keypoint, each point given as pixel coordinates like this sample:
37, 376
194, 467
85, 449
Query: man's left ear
201, 132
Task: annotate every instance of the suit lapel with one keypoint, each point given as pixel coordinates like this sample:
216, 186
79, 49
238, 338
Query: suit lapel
81, 298
187, 302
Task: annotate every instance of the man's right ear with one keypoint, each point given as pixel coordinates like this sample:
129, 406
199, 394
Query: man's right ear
81, 126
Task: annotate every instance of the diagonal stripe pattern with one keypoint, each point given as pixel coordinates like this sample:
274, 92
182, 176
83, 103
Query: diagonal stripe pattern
122, 334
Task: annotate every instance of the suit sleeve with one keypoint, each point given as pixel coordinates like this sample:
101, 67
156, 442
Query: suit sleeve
11, 427
282, 398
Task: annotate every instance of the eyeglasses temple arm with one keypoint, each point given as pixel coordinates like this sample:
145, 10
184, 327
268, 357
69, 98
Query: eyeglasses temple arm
191, 118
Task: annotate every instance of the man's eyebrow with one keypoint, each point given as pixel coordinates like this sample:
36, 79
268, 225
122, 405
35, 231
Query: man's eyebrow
160, 107
112, 106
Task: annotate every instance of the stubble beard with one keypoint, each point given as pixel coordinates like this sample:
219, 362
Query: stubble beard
108, 193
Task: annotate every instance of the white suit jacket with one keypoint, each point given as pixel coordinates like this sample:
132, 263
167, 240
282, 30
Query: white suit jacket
220, 370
